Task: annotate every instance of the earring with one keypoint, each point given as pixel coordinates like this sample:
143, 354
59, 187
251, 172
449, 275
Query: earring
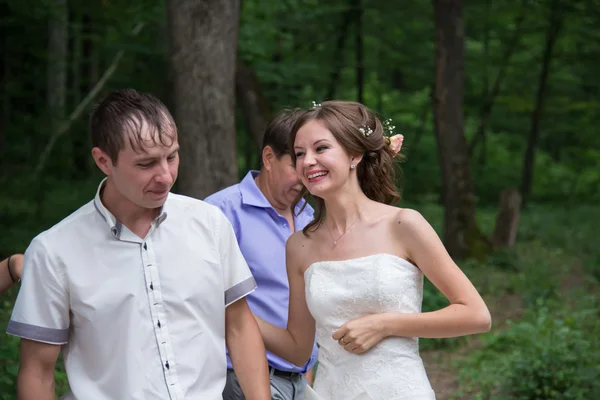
352, 166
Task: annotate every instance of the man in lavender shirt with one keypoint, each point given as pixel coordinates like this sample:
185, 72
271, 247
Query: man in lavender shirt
259, 209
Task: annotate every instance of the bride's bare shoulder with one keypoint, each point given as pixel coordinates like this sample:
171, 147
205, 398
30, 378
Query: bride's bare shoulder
299, 249
409, 216
397, 215
298, 238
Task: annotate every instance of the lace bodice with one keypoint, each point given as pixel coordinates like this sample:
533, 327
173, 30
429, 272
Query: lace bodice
338, 291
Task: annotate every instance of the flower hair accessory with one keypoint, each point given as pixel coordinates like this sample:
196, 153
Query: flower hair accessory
394, 141
315, 104
388, 128
366, 131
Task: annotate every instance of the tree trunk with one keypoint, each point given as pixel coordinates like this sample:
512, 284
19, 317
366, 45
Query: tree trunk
423, 118
360, 58
4, 79
461, 234
85, 82
485, 70
76, 113
486, 51
490, 97
94, 54
58, 42
507, 219
555, 23
252, 101
338, 54
203, 38
74, 50
5, 111
56, 80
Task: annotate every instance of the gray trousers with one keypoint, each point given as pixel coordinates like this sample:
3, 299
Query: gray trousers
281, 388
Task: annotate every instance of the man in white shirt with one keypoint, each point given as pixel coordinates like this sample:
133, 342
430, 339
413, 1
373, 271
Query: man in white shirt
142, 289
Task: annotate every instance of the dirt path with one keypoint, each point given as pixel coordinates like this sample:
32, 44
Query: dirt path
442, 376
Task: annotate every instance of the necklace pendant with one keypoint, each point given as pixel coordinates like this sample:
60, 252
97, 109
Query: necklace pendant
334, 242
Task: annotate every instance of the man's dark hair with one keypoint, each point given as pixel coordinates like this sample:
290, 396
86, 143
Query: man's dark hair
278, 132
122, 114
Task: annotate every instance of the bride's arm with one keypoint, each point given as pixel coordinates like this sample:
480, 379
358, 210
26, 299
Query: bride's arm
467, 313
295, 343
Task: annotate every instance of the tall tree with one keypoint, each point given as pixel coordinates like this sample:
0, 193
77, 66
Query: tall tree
79, 48
4, 78
203, 38
489, 97
338, 54
461, 235
58, 44
360, 56
81, 107
555, 24
56, 77
252, 102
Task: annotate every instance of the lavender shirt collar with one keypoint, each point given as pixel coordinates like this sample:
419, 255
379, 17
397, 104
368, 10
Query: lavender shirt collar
252, 196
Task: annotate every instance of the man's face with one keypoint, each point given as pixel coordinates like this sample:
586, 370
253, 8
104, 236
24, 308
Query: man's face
284, 182
145, 177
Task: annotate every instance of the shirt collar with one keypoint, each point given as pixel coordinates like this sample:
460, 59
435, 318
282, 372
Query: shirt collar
252, 195
112, 222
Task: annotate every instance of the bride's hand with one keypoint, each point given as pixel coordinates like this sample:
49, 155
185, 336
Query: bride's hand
360, 334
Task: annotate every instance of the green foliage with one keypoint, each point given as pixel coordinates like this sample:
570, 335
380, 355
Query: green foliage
293, 48
504, 260
543, 356
550, 351
593, 265
552, 367
27, 213
9, 353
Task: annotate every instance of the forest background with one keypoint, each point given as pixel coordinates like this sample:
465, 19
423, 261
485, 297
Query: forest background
497, 100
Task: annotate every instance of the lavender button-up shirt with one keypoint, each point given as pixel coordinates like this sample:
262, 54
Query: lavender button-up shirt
261, 234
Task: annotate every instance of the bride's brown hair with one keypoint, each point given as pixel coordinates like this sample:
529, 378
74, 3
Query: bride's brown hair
375, 172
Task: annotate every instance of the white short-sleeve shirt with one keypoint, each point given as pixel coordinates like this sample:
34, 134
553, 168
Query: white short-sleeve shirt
138, 318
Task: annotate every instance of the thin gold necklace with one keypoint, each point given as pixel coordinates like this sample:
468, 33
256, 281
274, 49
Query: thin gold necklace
339, 237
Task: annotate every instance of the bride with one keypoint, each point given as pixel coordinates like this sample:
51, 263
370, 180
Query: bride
356, 272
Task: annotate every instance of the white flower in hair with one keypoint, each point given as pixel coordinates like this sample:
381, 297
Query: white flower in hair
388, 127
394, 141
366, 131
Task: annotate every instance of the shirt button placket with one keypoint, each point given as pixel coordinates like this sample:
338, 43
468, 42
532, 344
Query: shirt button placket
160, 331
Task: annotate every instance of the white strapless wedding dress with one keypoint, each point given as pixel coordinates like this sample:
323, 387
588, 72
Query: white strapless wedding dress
338, 291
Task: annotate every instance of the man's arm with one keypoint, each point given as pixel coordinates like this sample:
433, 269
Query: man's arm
247, 351
10, 274
36, 370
